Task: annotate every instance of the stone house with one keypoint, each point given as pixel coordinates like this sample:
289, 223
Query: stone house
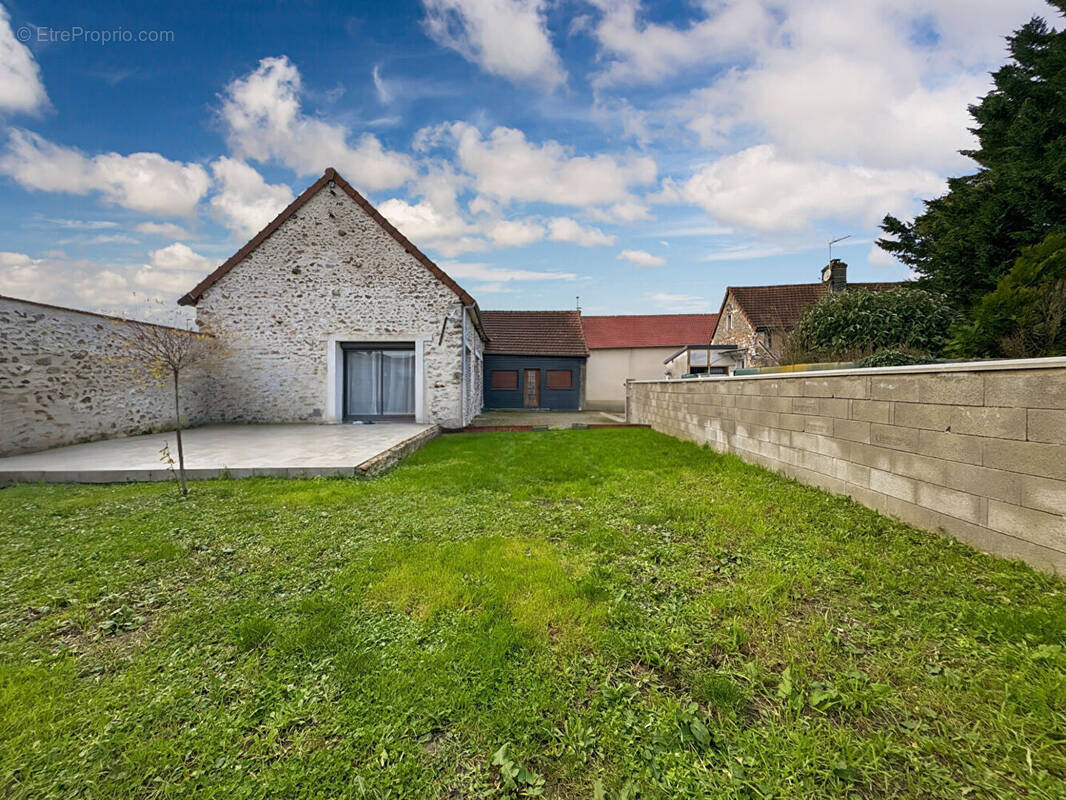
330, 314
758, 319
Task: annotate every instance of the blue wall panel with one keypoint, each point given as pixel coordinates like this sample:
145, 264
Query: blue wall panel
554, 399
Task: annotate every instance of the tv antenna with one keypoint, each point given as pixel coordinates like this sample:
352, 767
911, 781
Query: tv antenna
578, 302
834, 241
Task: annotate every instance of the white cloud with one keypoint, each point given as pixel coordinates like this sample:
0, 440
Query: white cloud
504, 37
245, 203
641, 258
84, 284
21, 88
680, 303
881, 83
564, 229
882, 258
165, 230
758, 189
488, 272
384, 93
626, 211
173, 270
84, 224
637, 51
140, 181
507, 167
265, 122
514, 233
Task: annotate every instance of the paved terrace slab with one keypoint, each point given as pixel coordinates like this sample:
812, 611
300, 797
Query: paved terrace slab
235, 450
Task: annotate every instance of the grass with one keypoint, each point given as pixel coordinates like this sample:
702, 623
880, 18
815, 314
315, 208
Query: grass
578, 614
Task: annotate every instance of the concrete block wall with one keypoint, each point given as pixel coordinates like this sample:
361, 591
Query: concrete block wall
64, 379
977, 450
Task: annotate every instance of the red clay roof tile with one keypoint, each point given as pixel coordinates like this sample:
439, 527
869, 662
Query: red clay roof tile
648, 330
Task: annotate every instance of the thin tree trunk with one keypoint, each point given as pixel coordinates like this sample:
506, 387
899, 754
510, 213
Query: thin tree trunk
177, 430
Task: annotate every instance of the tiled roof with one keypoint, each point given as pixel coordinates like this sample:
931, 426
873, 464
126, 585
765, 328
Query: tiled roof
778, 307
648, 330
534, 333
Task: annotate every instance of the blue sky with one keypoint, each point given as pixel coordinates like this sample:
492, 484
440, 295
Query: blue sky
640, 156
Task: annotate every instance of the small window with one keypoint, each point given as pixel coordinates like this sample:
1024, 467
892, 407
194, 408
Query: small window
729, 321
700, 370
718, 370
505, 379
560, 379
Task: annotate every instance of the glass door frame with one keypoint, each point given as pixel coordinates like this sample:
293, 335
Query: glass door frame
406, 347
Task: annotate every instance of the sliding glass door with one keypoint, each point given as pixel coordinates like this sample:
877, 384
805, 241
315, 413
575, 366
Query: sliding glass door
379, 381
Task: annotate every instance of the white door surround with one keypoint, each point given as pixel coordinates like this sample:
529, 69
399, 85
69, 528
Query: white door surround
335, 371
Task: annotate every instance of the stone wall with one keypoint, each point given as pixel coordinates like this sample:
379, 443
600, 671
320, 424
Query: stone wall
330, 273
977, 449
64, 379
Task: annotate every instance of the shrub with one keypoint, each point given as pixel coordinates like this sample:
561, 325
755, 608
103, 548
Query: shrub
1025, 315
893, 358
854, 325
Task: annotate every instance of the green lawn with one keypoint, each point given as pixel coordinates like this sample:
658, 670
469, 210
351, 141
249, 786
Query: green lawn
585, 614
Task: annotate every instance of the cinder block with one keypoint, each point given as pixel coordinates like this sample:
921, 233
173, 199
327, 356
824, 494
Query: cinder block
1004, 546
1039, 527
894, 437
962, 388
823, 425
894, 485
951, 446
1034, 458
1043, 494
1047, 425
923, 468
856, 474
865, 496
793, 422
853, 429
1002, 423
833, 407
871, 410
928, 416
1038, 388
804, 405
952, 502
913, 514
994, 483
895, 387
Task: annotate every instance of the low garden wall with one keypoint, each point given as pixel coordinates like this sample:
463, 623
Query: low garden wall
64, 379
976, 449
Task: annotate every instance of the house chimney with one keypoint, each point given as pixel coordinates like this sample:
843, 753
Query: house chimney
835, 275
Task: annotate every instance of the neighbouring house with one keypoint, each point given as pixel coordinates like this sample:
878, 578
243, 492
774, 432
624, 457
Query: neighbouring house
758, 319
330, 314
703, 359
635, 347
535, 359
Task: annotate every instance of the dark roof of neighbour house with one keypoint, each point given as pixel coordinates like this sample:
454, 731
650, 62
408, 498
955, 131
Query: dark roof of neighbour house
534, 333
779, 307
648, 330
193, 297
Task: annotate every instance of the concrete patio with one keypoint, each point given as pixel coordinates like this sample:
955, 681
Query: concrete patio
235, 450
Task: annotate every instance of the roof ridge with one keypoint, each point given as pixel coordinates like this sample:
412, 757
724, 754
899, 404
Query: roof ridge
192, 297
